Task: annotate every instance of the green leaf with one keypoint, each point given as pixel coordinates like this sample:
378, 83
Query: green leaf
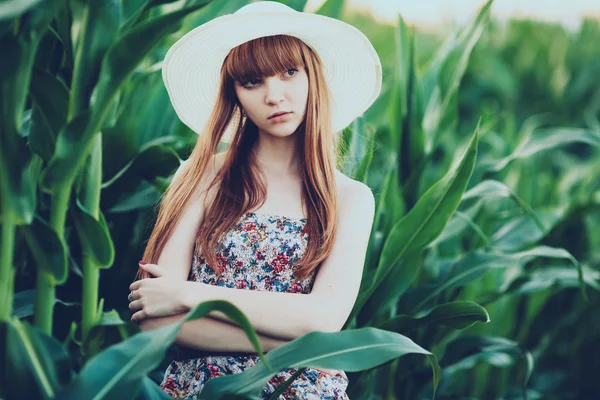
124, 55
99, 28
19, 171
54, 357
153, 3
48, 249
118, 371
13, 8
543, 140
495, 189
398, 281
437, 372
151, 391
442, 78
520, 232
38, 19
94, 236
117, 65
431, 214
425, 221
466, 352
456, 315
152, 161
390, 207
18, 58
17, 196
36, 364
50, 52
459, 222
297, 5
360, 148
23, 303
89, 181
476, 264
96, 333
54, 177
349, 350
141, 13
283, 387
406, 115
50, 100
365, 164
552, 277
18, 166
332, 9
384, 158
21, 366
64, 23
140, 199
398, 106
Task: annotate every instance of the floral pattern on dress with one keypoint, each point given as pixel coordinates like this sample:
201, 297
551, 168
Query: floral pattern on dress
260, 253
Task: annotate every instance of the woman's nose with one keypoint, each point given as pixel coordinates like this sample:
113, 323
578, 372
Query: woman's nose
274, 91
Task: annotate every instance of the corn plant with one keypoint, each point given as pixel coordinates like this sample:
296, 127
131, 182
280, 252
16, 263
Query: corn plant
504, 246
61, 92
486, 201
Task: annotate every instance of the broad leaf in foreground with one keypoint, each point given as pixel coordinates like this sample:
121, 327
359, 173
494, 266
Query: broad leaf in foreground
119, 371
349, 350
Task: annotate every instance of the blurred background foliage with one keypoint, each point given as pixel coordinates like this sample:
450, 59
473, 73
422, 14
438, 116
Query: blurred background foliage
511, 237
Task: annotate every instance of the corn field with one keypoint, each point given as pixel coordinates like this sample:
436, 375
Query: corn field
482, 277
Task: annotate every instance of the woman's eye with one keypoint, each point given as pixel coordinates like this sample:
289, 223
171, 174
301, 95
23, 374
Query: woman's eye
250, 84
292, 69
254, 81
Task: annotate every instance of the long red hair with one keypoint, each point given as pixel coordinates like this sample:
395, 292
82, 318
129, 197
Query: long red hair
238, 180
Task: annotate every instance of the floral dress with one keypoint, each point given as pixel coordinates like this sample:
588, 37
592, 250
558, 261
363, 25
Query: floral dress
259, 253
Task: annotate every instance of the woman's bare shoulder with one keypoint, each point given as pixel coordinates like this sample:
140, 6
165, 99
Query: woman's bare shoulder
213, 168
353, 194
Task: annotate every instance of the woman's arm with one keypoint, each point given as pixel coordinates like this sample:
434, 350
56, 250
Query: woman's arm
209, 334
326, 308
282, 315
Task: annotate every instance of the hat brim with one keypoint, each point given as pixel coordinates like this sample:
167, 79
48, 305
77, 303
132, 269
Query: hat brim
351, 66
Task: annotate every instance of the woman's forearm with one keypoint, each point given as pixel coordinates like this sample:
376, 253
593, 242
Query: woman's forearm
209, 334
283, 315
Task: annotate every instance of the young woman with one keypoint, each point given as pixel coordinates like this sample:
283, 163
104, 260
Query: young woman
269, 224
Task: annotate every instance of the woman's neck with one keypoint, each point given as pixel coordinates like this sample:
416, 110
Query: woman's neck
278, 154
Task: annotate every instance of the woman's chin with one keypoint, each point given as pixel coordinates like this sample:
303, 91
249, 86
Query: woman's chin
282, 132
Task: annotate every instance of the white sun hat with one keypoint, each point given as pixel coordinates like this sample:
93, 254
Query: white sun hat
191, 68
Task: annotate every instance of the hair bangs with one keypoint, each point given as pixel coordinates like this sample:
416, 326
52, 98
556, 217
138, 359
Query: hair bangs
264, 57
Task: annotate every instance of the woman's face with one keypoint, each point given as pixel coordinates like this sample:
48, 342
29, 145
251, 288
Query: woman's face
283, 93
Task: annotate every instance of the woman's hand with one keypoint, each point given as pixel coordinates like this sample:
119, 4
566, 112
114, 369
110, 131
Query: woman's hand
156, 297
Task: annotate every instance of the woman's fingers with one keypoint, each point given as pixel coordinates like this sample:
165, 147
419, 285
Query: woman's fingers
138, 316
153, 269
137, 308
135, 285
136, 295
154, 294
138, 284
135, 305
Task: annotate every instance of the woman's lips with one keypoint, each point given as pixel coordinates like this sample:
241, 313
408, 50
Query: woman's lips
280, 118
